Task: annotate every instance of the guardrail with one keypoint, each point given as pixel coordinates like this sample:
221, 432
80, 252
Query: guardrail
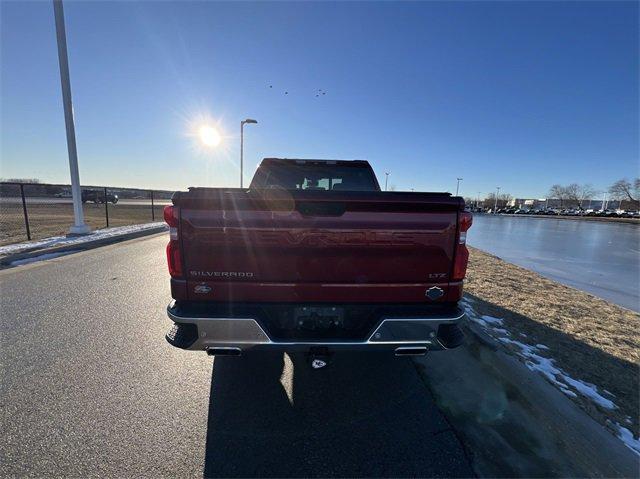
30, 211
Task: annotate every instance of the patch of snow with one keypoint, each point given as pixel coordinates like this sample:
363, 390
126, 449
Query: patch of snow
72, 240
546, 367
523, 335
476, 319
486, 321
471, 314
491, 319
541, 346
18, 247
526, 349
42, 257
569, 392
627, 438
501, 331
590, 391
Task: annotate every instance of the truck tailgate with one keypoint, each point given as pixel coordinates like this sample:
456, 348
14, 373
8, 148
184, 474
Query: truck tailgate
317, 238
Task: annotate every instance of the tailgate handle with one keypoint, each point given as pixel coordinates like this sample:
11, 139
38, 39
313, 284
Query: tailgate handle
308, 208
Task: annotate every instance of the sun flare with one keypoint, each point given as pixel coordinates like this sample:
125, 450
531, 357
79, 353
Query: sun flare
209, 136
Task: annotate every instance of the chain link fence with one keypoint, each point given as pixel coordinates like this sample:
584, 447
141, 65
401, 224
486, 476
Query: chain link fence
31, 211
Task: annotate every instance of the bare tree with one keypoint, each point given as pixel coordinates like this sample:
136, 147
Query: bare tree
573, 194
579, 193
490, 200
625, 190
559, 192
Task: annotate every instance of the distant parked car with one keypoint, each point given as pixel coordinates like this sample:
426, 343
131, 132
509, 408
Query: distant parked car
606, 213
98, 197
63, 194
622, 214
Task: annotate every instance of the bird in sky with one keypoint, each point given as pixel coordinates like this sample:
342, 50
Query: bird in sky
319, 92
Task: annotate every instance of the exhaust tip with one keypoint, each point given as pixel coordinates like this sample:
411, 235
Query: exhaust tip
411, 351
223, 351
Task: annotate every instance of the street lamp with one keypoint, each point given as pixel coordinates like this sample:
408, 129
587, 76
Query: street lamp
495, 204
79, 226
386, 180
458, 185
242, 123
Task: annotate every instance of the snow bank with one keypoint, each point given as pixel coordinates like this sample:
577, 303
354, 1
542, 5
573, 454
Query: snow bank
73, 240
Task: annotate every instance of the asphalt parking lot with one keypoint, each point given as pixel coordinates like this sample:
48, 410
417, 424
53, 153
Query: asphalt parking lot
90, 387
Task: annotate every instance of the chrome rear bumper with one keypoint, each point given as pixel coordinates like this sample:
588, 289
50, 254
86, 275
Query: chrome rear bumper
201, 332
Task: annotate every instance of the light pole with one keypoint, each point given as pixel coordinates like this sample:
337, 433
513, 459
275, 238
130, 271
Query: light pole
242, 123
386, 180
495, 204
458, 185
79, 226
478, 202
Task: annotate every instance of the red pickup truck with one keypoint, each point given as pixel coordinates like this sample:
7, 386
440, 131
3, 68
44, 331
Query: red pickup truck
314, 257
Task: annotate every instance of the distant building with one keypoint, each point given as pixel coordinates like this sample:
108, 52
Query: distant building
529, 203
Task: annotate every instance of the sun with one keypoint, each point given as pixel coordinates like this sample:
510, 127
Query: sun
209, 136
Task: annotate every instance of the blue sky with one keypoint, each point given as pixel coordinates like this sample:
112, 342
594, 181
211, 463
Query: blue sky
515, 94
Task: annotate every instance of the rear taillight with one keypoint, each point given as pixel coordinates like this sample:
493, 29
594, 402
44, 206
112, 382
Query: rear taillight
462, 253
174, 257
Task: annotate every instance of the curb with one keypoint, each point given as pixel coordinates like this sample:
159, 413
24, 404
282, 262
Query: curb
5, 261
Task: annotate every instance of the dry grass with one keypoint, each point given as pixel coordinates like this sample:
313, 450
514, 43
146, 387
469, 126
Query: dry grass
591, 339
54, 219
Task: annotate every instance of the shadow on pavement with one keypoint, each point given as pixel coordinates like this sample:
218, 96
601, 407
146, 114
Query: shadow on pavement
366, 415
